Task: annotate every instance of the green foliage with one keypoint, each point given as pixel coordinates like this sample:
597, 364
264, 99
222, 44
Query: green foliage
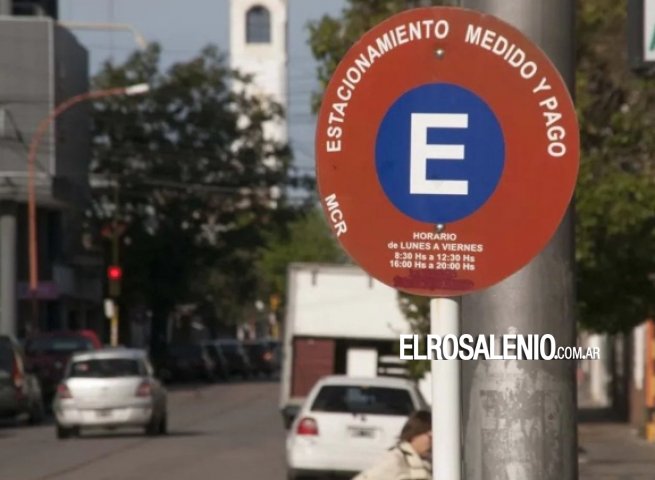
616, 188
417, 311
308, 239
198, 183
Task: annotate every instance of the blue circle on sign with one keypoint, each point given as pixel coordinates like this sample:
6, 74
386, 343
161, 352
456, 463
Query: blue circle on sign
439, 153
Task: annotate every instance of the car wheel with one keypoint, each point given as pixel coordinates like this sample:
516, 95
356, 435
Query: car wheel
153, 426
291, 475
36, 413
65, 432
165, 375
163, 425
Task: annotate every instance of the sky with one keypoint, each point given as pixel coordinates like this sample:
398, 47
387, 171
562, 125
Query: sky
183, 27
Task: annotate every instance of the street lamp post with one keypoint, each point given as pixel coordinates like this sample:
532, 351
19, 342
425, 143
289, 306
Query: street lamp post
37, 137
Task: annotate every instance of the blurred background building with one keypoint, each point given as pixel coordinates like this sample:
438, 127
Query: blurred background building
43, 64
29, 7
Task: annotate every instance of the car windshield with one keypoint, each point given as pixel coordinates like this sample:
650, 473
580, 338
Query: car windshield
231, 348
272, 345
256, 348
58, 345
106, 368
214, 350
363, 399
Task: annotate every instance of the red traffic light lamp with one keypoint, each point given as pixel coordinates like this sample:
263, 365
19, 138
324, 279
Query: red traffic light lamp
114, 273
114, 276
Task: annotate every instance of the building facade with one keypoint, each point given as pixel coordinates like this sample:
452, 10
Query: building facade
44, 65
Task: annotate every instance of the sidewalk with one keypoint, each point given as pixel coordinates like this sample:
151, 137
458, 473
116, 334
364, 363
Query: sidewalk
612, 451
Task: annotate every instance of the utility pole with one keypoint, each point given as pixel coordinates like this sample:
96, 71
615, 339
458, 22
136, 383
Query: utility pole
519, 417
114, 284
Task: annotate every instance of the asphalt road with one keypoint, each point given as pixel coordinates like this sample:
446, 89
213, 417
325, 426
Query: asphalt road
230, 431
613, 451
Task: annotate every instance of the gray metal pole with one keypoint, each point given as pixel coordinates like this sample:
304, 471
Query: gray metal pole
519, 417
7, 268
5, 7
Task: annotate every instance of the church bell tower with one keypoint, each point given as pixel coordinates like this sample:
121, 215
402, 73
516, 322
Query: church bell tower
258, 46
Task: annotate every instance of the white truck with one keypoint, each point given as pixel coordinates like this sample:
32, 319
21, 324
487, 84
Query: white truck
339, 320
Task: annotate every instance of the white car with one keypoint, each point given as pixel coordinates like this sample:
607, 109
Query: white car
110, 388
347, 423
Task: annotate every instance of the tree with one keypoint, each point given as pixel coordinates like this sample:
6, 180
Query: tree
330, 38
197, 181
308, 239
616, 190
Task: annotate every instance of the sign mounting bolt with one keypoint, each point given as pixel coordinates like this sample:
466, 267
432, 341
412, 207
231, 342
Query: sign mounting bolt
440, 52
440, 227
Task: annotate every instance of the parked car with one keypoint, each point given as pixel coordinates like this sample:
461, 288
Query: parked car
49, 352
221, 368
188, 361
236, 357
263, 355
347, 423
110, 388
20, 392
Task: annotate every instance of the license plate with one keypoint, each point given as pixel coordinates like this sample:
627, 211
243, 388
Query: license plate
104, 413
361, 432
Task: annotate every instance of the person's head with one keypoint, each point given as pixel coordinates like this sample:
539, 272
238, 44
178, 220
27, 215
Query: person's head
418, 431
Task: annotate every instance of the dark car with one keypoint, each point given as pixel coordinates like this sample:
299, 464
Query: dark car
237, 359
264, 356
188, 362
49, 352
221, 367
20, 392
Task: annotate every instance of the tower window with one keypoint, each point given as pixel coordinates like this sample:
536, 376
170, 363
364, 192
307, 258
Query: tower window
258, 25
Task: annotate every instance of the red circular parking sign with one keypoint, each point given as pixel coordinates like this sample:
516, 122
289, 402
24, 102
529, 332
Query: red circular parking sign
447, 151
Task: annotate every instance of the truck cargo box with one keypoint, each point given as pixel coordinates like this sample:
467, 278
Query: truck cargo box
339, 320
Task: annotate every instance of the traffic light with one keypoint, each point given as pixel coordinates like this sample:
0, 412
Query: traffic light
274, 301
114, 276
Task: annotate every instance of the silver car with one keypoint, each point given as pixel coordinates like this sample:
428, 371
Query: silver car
110, 388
